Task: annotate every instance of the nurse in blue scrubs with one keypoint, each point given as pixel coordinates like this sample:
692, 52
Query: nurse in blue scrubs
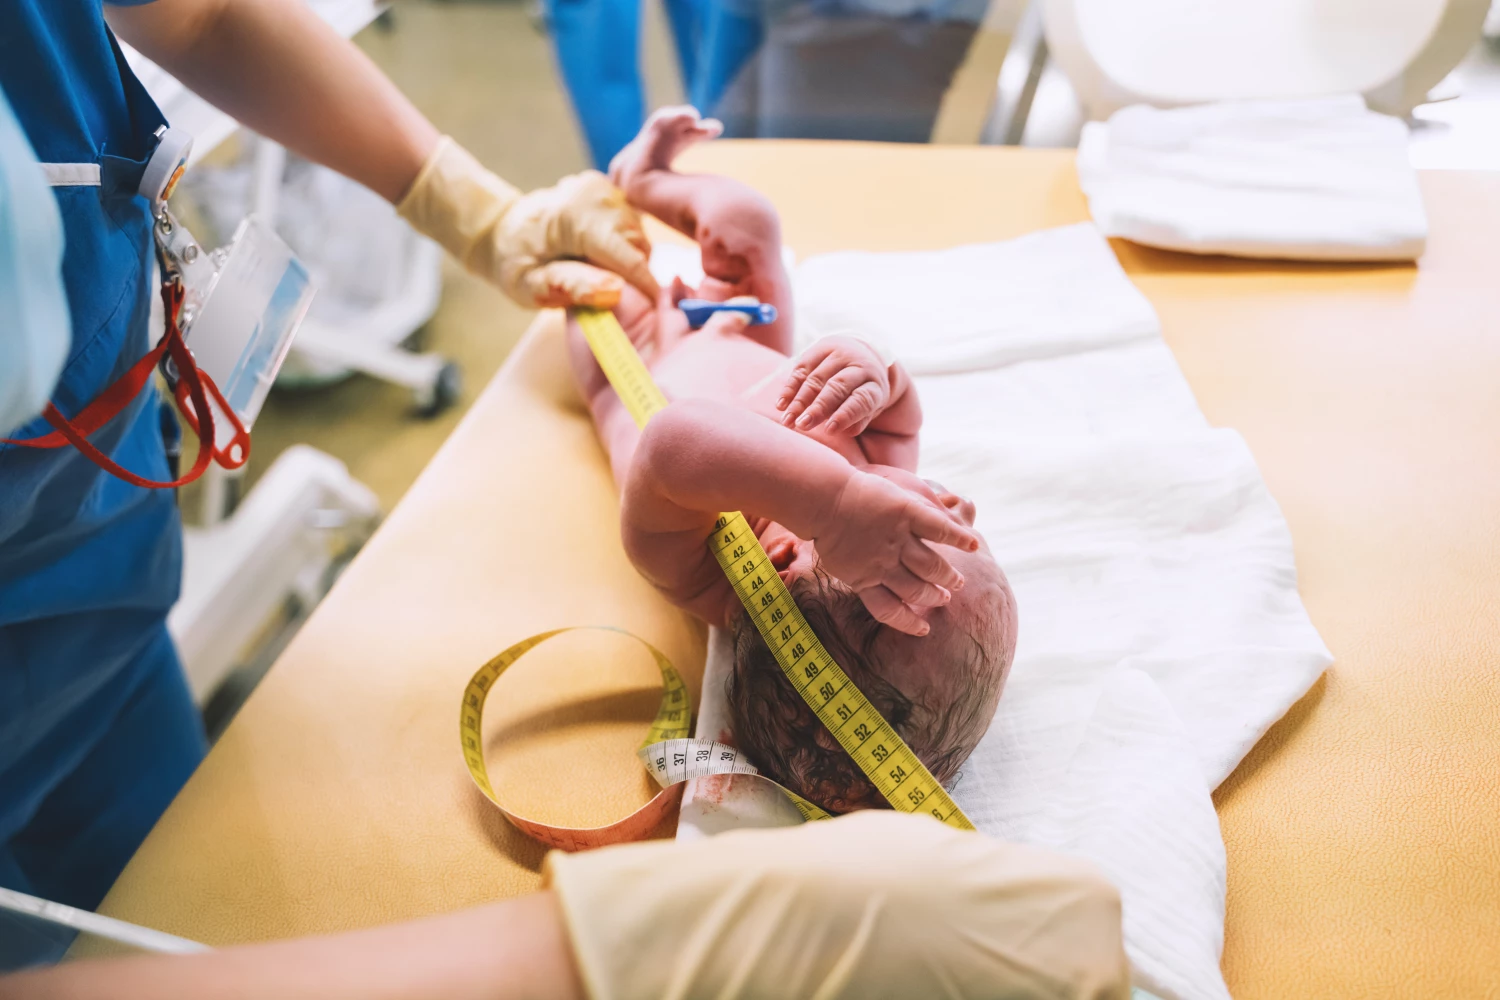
97, 727
598, 47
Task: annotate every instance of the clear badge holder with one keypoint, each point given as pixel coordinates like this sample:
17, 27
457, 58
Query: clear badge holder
242, 305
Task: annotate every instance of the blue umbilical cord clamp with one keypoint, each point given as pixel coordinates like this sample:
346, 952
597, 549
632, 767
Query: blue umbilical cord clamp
698, 311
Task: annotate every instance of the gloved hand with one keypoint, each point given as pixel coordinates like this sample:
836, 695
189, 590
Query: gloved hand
533, 246
869, 905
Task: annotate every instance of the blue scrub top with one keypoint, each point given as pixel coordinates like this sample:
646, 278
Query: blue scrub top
73, 537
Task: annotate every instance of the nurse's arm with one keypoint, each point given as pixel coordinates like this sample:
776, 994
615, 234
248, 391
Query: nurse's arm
513, 950
277, 67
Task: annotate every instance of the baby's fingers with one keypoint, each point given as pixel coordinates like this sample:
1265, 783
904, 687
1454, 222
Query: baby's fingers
813, 379
855, 413
936, 524
929, 566
810, 360
839, 391
888, 609
913, 591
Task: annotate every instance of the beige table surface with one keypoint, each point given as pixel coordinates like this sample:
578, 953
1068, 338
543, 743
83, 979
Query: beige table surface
1363, 833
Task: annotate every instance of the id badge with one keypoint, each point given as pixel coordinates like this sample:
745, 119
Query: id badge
242, 305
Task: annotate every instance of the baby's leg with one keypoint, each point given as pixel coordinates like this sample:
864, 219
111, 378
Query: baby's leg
643, 169
737, 230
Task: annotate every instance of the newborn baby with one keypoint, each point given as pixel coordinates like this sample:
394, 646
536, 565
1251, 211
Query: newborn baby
820, 453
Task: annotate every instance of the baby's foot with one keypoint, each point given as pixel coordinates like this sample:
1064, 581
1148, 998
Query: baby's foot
661, 140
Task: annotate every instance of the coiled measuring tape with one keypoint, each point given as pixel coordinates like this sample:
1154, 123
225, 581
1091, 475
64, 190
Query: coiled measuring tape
671, 758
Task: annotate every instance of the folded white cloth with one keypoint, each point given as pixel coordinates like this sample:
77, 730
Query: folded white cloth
1316, 179
1067, 275
1161, 632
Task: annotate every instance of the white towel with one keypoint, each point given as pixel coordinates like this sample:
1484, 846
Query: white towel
1318, 179
1067, 275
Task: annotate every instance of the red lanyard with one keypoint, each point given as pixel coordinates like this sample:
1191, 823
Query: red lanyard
193, 385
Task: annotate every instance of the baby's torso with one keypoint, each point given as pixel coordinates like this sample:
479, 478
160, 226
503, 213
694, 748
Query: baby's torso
727, 368
732, 368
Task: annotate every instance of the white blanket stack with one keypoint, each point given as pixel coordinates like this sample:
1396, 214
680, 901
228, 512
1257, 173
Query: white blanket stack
1318, 179
1161, 632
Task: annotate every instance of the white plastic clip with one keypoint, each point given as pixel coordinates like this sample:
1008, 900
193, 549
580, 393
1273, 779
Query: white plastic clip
166, 166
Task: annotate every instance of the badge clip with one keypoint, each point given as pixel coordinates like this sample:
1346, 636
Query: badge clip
241, 304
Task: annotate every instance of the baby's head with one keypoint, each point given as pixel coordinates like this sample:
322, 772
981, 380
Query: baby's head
939, 691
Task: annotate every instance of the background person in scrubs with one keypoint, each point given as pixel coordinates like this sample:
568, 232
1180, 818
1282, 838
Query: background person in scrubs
97, 727
598, 48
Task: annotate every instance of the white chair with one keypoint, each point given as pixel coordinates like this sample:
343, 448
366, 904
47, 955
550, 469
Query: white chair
1177, 52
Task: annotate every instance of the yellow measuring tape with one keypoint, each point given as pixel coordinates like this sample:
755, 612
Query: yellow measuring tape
891, 765
666, 753
671, 723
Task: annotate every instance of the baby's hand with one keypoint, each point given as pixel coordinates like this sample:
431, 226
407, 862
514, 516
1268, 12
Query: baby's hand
876, 543
840, 383
959, 507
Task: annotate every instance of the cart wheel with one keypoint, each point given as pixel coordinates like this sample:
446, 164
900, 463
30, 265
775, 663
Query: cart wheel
443, 393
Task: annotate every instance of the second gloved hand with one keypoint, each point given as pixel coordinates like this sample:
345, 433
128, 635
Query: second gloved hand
575, 243
872, 905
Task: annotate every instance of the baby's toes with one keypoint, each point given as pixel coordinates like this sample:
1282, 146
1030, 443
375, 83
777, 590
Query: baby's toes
667, 133
673, 120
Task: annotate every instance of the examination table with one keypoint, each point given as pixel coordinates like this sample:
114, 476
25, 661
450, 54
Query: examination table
1363, 832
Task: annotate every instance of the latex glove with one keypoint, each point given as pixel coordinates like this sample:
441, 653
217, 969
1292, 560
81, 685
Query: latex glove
533, 246
873, 904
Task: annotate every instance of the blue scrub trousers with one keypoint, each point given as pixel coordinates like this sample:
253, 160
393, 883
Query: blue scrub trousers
730, 36
598, 45
124, 742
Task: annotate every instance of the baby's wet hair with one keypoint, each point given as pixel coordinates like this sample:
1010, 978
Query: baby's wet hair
787, 742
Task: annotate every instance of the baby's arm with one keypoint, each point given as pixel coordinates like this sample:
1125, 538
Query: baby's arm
696, 459
843, 386
643, 169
